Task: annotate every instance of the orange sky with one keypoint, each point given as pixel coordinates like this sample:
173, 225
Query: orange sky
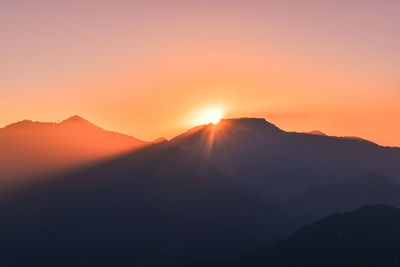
146, 68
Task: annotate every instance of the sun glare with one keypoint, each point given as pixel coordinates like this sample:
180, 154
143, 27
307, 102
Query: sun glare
211, 115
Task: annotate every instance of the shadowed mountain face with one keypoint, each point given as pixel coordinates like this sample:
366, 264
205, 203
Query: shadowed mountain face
33, 148
148, 208
369, 236
282, 164
319, 202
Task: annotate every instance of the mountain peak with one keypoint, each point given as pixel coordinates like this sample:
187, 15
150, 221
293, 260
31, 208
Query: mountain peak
77, 120
231, 124
249, 122
245, 120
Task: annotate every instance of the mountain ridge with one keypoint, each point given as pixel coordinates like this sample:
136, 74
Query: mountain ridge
369, 188
44, 147
367, 236
280, 163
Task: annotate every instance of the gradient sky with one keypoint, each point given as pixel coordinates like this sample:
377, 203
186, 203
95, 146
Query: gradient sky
146, 67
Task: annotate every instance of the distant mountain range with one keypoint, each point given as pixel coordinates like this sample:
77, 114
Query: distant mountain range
30, 148
321, 201
368, 236
207, 195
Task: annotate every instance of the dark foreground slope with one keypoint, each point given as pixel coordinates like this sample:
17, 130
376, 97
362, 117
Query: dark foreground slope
158, 206
369, 236
283, 164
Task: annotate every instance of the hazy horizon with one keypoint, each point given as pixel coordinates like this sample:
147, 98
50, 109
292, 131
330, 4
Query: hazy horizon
311, 131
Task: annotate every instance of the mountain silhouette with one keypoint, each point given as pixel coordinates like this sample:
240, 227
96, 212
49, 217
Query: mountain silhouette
30, 148
211, 193
283, 164
369, 188
368, 236
159, 140
157, 206
316, 132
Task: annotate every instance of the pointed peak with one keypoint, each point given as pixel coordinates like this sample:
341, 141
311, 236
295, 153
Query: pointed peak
77, 121
75, 118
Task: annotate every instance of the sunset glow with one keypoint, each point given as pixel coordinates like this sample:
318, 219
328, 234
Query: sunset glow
211, 115
199, 133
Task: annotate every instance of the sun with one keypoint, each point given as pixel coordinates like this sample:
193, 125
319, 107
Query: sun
210, 115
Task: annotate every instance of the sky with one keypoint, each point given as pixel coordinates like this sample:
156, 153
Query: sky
147, 68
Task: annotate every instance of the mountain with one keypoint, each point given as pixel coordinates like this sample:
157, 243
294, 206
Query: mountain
159, 140
368, 236
156, 206
283, 164
319, 202
30, 148
204, 195
316, 132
